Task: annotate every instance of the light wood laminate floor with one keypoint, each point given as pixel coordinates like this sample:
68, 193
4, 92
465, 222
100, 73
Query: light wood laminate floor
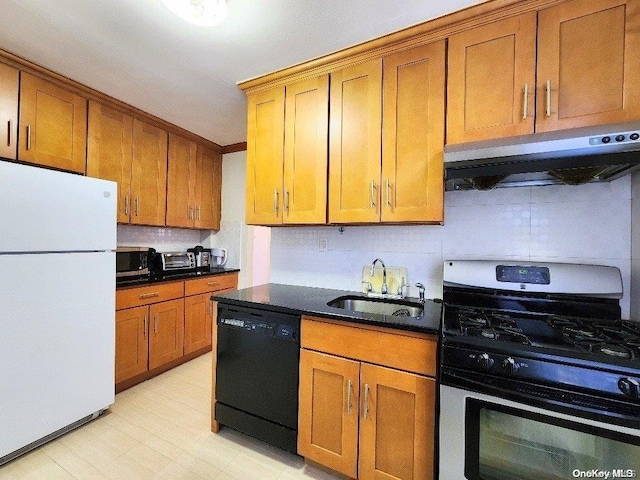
160, 429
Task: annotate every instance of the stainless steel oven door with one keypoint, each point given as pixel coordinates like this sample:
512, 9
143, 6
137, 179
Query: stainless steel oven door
484, 437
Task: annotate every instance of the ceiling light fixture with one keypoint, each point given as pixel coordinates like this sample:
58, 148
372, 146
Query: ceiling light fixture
205, 13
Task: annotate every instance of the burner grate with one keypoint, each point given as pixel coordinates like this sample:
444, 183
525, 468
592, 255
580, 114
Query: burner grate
613, 339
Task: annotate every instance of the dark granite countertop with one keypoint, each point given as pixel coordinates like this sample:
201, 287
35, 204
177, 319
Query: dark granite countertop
313, 301
174, 277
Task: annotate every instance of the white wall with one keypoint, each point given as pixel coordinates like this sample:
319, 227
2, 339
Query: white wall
583, 224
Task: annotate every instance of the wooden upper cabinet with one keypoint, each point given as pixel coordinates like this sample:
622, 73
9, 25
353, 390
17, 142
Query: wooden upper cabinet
397, 424
265, 153
149, 174
328, 414
491, 79
181, 177
413, 135
588, 51
110, 152
355, 137
9, 84
305, 151
208, 188
53, 123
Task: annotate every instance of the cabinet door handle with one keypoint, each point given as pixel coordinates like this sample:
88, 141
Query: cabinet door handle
286, 200
198, 213
8, 133
366, 401
155, 325
126, 204
275, 201
28, 137
212, 284
349, 385
388, 193
211, 308
144, 326
149, 295
137, 204
525, 102
373, 192
548, 98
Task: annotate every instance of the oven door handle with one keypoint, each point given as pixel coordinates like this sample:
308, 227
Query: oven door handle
582, 405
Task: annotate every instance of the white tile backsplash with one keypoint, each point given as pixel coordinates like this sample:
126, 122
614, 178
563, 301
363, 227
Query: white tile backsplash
163, 239
585, 224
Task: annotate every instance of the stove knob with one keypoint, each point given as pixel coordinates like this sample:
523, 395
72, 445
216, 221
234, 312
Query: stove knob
510, 365
630, 387
485, 361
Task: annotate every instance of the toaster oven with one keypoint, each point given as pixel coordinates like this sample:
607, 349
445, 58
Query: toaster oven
174, 262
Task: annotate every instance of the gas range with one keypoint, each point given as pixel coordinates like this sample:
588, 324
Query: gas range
539, 375
525, 326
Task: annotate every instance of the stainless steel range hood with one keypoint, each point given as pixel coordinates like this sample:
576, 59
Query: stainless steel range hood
573, 157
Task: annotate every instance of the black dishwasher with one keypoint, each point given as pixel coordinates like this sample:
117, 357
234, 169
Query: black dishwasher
257, 373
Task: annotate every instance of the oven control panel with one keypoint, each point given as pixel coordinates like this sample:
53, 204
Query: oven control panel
470, 361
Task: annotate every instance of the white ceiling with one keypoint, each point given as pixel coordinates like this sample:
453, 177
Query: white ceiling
137, 51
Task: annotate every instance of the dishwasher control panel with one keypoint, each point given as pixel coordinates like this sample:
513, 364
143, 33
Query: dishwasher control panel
272, 324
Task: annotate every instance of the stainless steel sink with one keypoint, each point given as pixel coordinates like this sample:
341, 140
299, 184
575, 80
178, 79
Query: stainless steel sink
380, 306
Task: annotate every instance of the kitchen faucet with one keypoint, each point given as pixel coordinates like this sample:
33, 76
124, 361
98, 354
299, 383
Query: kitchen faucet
383, 288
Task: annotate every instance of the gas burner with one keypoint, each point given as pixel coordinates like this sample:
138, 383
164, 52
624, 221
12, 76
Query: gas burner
576, 332
614, 350
499, 334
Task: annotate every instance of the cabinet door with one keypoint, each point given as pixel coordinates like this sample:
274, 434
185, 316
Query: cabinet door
181, 178
355, 136
149, 174
166, 332
305, 151
54, 125
397, 421
265, 147
328, 412
413, 135
110, 152
588, 52
9, 78
132, 351
491, 78
197, 322
208, 188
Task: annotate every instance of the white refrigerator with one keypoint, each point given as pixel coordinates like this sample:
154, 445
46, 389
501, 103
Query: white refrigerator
57, 303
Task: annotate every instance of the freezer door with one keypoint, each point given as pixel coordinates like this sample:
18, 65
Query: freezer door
49, 211
57, 348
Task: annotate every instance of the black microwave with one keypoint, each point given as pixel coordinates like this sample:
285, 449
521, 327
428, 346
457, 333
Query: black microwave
133, 262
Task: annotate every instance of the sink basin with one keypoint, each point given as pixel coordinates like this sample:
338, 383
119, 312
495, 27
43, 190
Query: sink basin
380, 306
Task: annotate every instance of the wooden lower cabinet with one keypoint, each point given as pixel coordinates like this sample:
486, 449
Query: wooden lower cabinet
132, 347
328, 411
159, 326
166, 332
197, 322
397, 428
148, 337
363, 420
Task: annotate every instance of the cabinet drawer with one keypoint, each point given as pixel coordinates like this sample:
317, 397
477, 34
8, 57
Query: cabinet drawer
136, 296
410, 351
211, 283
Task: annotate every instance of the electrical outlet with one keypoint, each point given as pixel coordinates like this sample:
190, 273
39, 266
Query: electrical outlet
322, 244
